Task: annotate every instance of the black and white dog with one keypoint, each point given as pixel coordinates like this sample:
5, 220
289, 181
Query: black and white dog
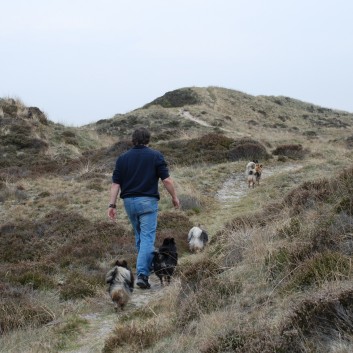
197, 239
165, 260
121, 284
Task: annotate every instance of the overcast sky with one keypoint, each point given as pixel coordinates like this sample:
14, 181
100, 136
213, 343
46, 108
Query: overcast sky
84, 60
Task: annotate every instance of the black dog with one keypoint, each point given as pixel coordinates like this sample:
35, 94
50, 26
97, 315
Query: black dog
165, 259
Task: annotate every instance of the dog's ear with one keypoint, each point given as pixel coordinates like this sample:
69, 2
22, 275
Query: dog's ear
117, 263
166, 241
124, 264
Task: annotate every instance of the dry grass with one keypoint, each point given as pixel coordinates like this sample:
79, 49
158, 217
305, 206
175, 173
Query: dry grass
279, 253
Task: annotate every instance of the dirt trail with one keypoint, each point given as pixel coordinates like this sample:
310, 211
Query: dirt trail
102, 324
187, 115
236, 187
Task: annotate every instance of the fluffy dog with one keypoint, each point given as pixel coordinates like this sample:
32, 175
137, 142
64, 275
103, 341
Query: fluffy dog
250, 174
165, 259
253, 173
197, 239
121, 284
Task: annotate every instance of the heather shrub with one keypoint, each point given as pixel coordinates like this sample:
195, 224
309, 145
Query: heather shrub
135, 336
19, 242
190, 203
65, 239
176, 98
307, 195
210, 148
349, 142
210, 294
244, 339
247, 149
34, 278
293, 151
196, 288
176, 225
316, 320
81, 284
20, 136
345, 209
290, 230
322, 267
19, 310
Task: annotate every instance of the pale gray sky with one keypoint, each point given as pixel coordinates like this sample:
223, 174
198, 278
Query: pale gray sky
84, 60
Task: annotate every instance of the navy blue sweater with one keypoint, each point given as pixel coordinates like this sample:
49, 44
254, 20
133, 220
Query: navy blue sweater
138, 170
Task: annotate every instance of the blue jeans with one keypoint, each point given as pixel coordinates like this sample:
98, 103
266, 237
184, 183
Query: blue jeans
142, 212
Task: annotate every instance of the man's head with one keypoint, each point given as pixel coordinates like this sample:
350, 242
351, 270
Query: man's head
141, 136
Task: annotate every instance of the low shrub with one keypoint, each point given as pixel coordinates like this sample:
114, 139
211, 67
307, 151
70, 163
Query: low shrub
18, 310
32, 278
210, 148
308, 195
176, 98
345, 205
211, 294
196, 288
190, 203
176, 225
322, 267
133, 335
318, 320
81, 284
247, 149
293, 151
290, 230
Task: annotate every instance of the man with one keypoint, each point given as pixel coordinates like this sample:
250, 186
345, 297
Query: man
136, 177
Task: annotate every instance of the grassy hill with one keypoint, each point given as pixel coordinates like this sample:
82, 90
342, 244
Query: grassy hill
229, 111
276, 276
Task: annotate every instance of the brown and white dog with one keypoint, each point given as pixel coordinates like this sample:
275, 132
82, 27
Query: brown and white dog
121, 284
253, 173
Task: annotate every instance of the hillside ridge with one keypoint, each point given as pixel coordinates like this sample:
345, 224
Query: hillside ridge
277, 267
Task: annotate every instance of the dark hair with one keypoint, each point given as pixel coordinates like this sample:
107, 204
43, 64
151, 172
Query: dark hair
141, 136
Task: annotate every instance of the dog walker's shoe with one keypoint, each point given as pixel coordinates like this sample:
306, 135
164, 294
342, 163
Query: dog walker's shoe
142, 282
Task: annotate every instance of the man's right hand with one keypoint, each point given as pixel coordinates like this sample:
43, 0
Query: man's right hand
176, 202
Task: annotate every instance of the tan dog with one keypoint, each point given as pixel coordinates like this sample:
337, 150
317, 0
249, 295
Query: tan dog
258, 172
